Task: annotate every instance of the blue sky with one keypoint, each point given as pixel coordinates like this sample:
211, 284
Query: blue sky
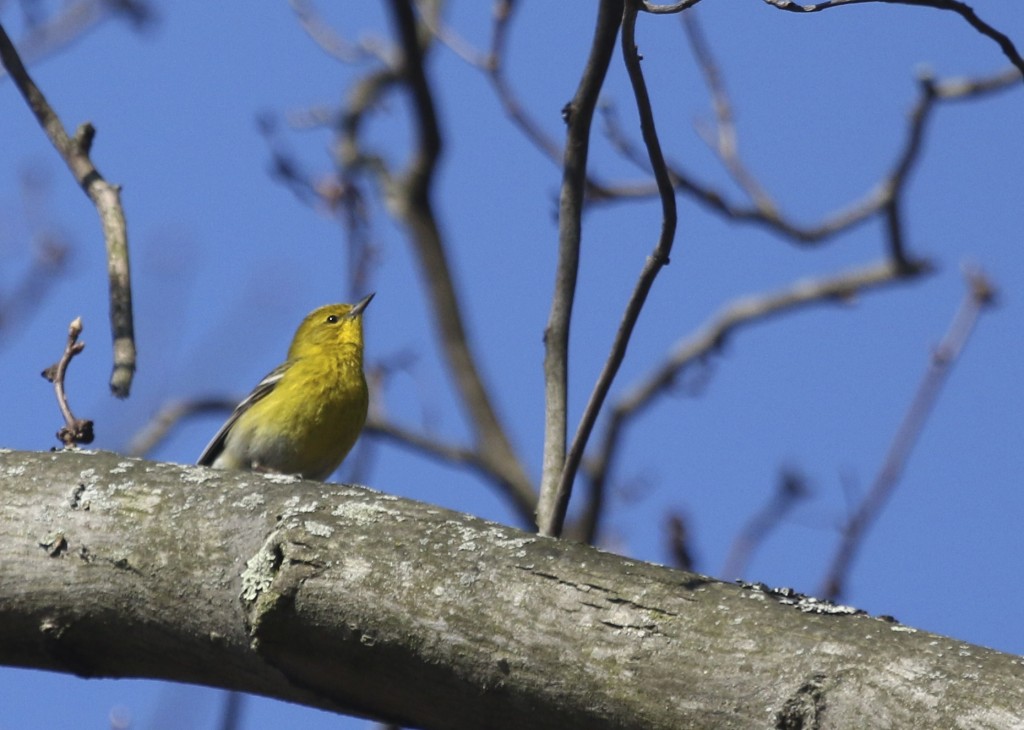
226, 261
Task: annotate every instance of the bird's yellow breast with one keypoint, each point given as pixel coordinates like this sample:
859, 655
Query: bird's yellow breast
310, 421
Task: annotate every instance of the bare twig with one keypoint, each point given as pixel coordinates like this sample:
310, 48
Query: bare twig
579, 114
980, 295
412, 203
678, 539
75, 430
495, 69
49, 262
73, 20
962, 9
427, 445
430, 14
231, 714
330, 42
718, 202
710, 338
493, 65
676, 7
657, 259
107, 199
724, 139
894, 186
957, 89
790, 489
341, 195
878, 201
522, 502
169, 415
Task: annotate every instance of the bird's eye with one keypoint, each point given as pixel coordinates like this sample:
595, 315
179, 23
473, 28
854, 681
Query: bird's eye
332, 319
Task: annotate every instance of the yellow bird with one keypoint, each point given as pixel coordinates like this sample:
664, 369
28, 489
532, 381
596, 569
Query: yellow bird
306, 414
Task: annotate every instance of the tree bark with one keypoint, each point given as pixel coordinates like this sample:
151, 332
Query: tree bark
342, 598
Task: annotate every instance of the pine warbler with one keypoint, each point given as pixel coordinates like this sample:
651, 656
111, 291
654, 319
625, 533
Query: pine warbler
305, 416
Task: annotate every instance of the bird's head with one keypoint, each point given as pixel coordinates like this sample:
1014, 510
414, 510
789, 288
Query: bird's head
330, 327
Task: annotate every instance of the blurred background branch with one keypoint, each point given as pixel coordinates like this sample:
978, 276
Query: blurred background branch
107, 199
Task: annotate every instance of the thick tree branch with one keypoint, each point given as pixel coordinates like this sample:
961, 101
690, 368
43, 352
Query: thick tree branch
107, 199
349, 600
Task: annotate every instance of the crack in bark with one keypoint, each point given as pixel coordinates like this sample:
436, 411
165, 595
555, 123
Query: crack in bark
611, 599
805, 708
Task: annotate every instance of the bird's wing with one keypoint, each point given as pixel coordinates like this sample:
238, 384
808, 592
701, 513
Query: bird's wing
261, 391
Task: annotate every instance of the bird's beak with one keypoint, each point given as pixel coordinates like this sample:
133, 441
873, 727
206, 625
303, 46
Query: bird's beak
360, 306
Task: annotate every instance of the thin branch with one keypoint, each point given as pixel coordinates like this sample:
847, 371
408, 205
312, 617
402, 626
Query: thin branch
427, 445
718, 202
75, 430
724, 140
360, 101
711, 338
579, 114
958, 89
152, 434
73, 21
414, 206
884, 199
965, 11
676, 7
495, 70
107, 199
980, 295
790, 489
430, 14
658, 258
679, 539
493, 65
523, 501
895, 185
49, 263
231, 713
342, 196
330, 42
